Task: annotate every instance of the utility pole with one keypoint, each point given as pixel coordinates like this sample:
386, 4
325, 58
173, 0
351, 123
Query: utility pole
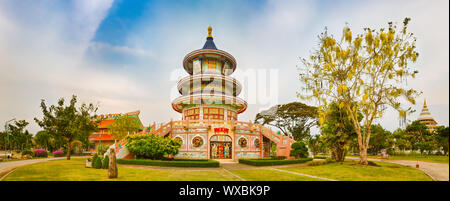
7, 134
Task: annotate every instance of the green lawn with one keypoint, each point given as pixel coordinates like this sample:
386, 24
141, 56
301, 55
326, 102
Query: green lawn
74, 170
269, 175
426, 158
352, 171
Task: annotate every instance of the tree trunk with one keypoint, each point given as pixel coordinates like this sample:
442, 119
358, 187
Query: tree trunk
112, 169
362, 149
363, 155
69, 149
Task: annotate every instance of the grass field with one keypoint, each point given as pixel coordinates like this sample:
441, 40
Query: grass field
74, 170
351, 171
426, 158
269, 175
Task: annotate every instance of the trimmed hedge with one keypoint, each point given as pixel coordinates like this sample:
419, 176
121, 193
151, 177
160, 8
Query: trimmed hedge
172, 163
321, 157
269, 162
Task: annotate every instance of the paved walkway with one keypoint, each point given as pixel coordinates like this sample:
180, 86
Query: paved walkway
7, 167
437, 171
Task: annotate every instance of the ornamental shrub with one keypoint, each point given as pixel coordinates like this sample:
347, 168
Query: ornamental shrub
27, 152
105, 164
152, 146
299, 150
40, 153
96, 162
94, 157
58, 153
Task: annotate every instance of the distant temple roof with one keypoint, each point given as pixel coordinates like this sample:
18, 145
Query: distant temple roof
425, 115
107, 119
209, 44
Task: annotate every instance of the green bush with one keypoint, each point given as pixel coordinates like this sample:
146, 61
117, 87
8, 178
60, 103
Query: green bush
152, 146
320, 157
96, 161
299, 150
94, 157
173, 163
105, 164
269, 162
27, 152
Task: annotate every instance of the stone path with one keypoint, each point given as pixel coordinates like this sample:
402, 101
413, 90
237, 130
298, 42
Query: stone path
437, 171
8, 167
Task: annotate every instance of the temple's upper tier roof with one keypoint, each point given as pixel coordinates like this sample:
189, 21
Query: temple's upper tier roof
210, 50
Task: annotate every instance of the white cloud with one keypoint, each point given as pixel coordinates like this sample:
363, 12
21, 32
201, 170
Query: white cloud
42, 58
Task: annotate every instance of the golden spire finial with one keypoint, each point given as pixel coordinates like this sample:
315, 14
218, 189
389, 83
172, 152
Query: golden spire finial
209, 32
425, 103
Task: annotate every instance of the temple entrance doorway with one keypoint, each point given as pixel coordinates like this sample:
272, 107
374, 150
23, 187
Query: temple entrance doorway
221, 147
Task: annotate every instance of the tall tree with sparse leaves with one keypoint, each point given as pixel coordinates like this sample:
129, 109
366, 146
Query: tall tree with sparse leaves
369, 70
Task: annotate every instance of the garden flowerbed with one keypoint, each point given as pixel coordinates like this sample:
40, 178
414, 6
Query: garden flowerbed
171, 163
270, 162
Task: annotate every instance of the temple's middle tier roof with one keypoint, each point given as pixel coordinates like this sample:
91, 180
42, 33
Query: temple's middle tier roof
206, 83
209, 99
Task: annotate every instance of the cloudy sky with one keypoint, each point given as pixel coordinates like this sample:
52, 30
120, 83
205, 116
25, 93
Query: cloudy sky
127, 55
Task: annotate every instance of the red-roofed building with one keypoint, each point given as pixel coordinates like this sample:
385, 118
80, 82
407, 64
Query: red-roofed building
104, 136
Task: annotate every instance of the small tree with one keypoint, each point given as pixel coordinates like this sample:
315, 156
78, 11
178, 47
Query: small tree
67, 122
337, 131
418, 136
364, 73
299, 150
443, 138
381, 139
97, 161
19, 138
295, 118
43, 139
124, 125
401, 141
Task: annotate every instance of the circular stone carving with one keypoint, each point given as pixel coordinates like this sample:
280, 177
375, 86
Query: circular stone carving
197, 141
257, 143
242, 142
179, 139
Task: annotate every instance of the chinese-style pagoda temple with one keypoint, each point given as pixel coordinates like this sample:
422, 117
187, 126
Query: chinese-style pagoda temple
209, 105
